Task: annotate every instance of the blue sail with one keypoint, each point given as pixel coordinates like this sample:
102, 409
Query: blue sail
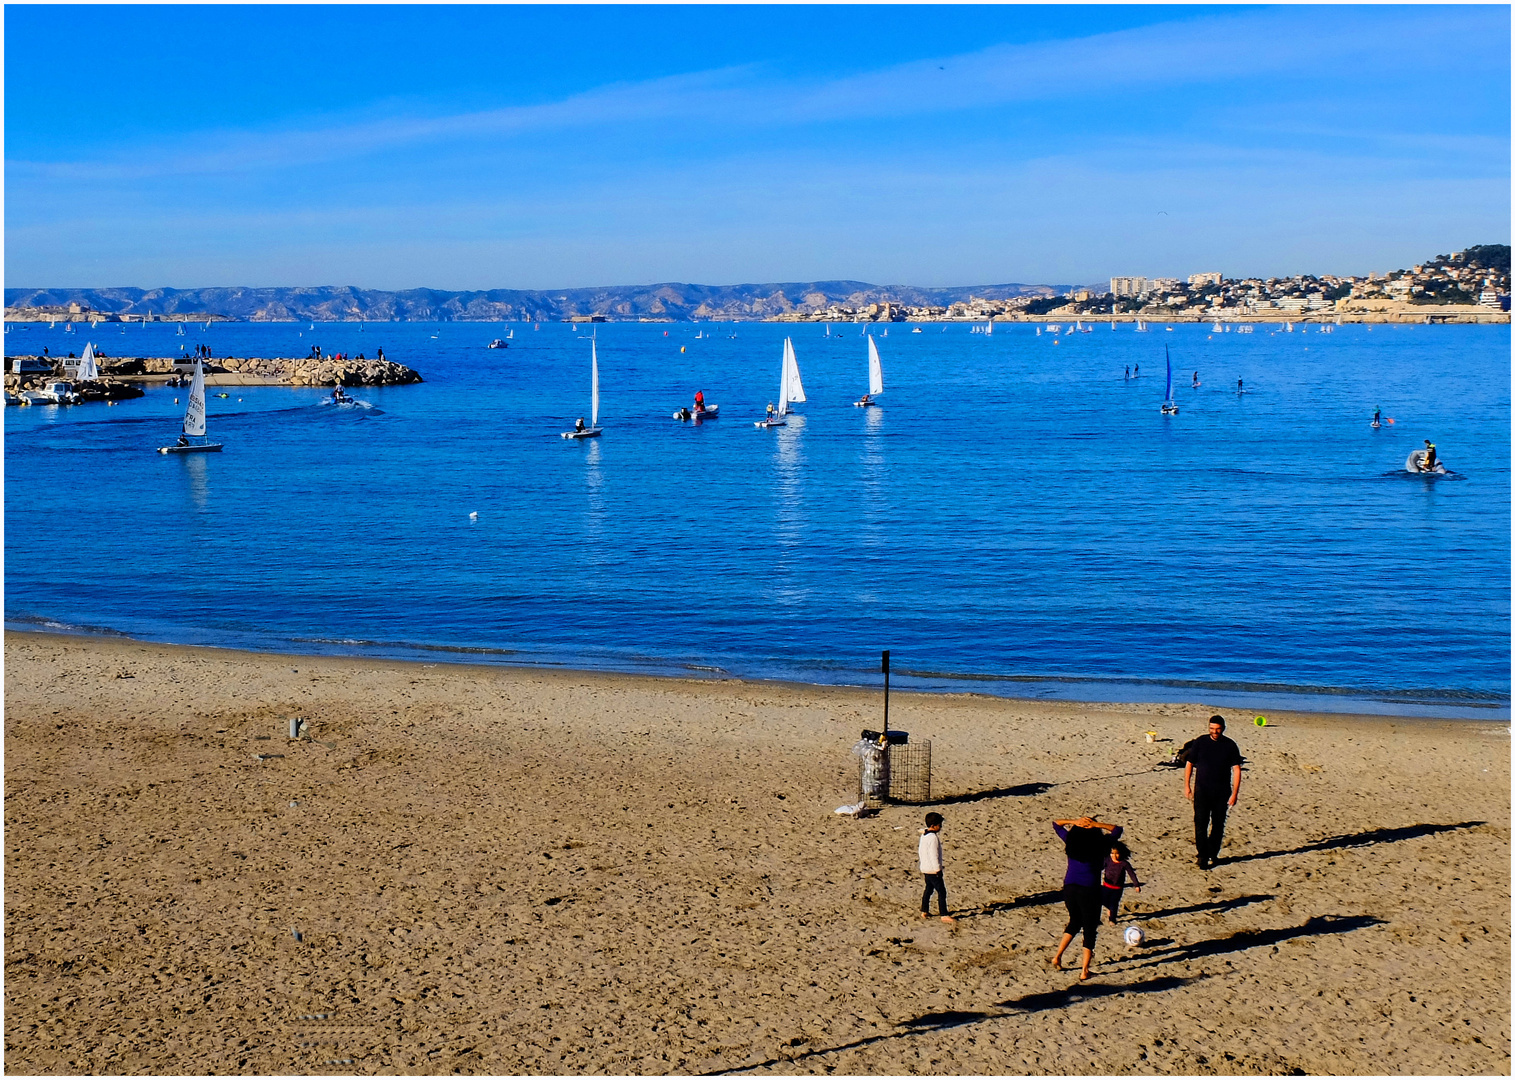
1169, 392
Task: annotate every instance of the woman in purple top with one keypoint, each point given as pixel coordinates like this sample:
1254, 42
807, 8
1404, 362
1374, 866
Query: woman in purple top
1086, 843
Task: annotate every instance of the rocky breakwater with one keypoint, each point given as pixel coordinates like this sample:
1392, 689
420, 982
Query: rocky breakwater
309, 371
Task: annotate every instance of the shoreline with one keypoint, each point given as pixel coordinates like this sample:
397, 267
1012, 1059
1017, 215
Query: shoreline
1305, 701
467, 869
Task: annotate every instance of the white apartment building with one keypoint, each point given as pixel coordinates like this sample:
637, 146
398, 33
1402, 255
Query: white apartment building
1201, 280
1128, 286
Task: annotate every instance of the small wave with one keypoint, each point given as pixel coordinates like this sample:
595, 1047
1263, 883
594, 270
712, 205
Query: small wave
366, 643
55, 626
1406, 695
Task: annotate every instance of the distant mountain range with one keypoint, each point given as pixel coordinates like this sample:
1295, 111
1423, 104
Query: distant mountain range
668, 301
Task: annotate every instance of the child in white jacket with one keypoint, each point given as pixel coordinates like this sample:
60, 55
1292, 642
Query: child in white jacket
931, 867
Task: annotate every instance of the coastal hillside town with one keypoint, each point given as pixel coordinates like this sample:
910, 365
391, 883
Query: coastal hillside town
1469, 286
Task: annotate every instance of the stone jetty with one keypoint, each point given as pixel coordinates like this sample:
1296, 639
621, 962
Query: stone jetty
231, 371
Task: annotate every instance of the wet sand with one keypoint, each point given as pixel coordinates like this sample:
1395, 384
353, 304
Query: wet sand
507, 871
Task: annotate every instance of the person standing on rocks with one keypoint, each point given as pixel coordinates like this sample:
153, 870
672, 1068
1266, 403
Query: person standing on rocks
1212, 781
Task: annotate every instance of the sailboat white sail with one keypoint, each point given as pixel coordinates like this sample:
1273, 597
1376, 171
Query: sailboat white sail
194, 415
791, 390
593, 430
194, 420
88, 369
875, 376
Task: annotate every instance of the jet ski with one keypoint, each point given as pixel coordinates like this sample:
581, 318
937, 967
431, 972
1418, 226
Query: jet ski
1416, 463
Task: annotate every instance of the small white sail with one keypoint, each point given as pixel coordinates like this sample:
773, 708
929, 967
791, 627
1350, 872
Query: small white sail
790, 387
875, 370
194, 416
88, 369
594, 386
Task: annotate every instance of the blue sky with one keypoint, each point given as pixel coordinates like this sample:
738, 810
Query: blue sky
542, 147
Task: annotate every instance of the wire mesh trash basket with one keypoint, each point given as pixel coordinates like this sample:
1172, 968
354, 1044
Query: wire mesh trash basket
897, 773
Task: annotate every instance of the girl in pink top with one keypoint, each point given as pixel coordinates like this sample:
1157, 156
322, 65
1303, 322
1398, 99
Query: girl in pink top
1117, 869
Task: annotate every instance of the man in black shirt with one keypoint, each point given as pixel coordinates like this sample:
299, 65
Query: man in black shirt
1212, 780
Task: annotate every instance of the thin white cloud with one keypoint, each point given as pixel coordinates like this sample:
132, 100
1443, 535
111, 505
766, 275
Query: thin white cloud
1273, 43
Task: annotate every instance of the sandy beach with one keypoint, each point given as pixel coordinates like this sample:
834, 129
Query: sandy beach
486, 870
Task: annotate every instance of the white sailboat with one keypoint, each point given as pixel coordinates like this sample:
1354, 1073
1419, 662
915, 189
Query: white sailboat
1170, 407
194, 421
593, 430
790, 390
87, 369
875, 377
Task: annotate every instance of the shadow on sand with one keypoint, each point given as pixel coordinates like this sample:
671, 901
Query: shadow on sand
1254, 939
1194, 909
1056, 999
952, 1018
1362, 839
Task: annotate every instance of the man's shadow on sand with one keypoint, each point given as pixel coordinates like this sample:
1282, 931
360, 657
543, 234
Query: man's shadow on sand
1036, 787
1352, 840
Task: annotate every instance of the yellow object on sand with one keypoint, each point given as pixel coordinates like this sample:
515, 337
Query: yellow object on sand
1261, 721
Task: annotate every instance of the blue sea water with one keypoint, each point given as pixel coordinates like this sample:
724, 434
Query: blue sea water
1017, 517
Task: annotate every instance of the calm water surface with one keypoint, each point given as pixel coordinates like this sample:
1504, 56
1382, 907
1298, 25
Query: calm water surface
1017, 517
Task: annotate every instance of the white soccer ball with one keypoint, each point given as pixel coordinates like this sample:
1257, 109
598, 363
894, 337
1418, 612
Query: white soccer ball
1134, 936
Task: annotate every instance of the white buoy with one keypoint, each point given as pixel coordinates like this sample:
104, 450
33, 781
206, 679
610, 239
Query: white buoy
473, 516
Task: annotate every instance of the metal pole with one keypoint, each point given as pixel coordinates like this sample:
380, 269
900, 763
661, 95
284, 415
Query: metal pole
886, 696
